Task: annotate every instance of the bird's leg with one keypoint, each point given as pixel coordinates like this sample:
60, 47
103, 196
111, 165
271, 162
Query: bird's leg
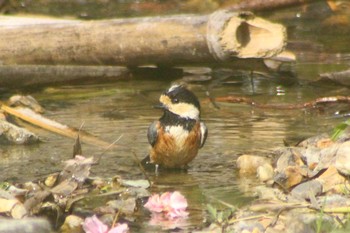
156, 170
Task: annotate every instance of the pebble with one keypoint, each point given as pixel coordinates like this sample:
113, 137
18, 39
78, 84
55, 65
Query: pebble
248, 164
265, 172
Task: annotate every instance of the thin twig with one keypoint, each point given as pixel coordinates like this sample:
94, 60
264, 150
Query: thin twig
142, 169
116, 217
232, 221
222, 202
109, 147
258, 5
212, 100
311, 104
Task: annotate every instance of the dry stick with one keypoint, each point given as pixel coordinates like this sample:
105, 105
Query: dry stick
142, 169
232, 221
212, 100
221, 202
274, 221
68, 132
310, 104
97, 161
258, 5
116, 218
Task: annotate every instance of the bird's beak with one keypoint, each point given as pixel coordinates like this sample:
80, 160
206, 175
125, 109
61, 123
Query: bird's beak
164, 102
160, 106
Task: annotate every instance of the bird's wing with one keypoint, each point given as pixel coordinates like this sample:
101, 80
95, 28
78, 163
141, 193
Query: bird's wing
204, 134
152, 133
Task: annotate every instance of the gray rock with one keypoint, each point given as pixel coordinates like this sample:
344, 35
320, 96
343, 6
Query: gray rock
28, 225
10, 133
342, 160
305, 191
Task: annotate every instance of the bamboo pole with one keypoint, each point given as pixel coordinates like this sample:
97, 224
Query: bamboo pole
30, 116
167, 40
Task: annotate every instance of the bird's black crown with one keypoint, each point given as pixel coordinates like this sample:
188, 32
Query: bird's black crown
179, 93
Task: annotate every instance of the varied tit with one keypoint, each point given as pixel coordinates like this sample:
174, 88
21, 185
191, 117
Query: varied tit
176, 137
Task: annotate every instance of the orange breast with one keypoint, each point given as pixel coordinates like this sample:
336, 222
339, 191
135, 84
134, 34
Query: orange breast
169, 151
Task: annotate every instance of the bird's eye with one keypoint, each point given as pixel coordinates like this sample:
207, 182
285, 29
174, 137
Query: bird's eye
175, 100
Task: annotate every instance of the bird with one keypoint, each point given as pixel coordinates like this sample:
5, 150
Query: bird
178, 135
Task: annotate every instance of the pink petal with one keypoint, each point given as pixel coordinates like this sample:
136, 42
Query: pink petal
177, 201
172, 204
94, 225
120, 228
177, 214
165, 198
154, 204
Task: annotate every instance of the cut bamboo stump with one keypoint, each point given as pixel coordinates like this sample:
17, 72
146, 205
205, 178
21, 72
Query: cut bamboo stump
165, 41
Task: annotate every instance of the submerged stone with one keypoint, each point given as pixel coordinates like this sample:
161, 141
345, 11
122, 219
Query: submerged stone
248, 164
28, 225
10, 133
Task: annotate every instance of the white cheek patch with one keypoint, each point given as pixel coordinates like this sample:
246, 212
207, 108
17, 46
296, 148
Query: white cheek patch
185, 110
179, 133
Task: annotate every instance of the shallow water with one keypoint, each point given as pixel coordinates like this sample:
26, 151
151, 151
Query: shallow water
125, 109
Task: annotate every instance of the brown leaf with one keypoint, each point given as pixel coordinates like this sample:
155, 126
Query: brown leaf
77, 147
77, 169
35, 200
65, 188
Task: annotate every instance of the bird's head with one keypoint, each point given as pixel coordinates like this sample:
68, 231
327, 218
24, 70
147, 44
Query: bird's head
180, 101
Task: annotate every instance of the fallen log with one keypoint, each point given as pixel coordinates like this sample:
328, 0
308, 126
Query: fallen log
33, 75
167, 40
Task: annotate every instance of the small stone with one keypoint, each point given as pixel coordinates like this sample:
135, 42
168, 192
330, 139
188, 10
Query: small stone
72, 224
27, 101
289, 157
342, 159
265, 172
19, 211
330, 179
311, 156
248, 164
304, 190
312, 141
327, 158
324, 143
50, 181
291, 176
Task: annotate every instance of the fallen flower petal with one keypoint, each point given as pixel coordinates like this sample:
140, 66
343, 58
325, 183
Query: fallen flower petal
177, 214
177, 201
94, 225
119, 228
159, 219
172, 204
154, 204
